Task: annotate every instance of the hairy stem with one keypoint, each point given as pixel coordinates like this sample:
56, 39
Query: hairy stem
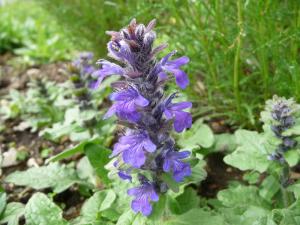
287, 198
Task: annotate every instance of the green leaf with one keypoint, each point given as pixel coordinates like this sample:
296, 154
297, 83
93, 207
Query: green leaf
247, 215
287, 216
173, 205
158, 208
131, 218
74, 150
195, 217
251, 177
295, 188
200, 135
98, 157
241, 196
12, 213
57, 131
294, 130
41, 210
250, 155
2, 202
188, 200
85, 171
269, 187
80, 136
198, 173
292, 157
99, 202
172, 184
56, 176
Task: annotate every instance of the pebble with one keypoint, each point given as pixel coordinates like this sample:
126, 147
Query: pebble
9, 158
32, 163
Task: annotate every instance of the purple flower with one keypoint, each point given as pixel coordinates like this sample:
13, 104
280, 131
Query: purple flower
143, 195
173, 66
126, 104
124, 175
182, 119
133, 147
107, 69
119, 50
84, 63
147, 149
172, 162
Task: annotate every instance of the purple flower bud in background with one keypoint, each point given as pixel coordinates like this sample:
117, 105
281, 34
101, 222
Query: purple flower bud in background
141, 104
282, 113
80, 74
84, 63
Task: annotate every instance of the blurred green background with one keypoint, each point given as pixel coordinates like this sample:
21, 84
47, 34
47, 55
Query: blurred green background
242, 51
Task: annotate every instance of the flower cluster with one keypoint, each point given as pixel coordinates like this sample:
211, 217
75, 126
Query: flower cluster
146, 148
282, 113
81, 70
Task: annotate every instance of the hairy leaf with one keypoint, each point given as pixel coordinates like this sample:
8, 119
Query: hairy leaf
56, 176
41, 210
12, 213
200, 135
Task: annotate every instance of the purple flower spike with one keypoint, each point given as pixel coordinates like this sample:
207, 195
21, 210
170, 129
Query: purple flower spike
84, 63
133, 147
107, 69
143, 195
172, 162
147, 149
173, 66
126, 104
182, 119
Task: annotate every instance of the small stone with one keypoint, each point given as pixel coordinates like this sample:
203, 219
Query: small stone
32, 163
22, 126
9, 158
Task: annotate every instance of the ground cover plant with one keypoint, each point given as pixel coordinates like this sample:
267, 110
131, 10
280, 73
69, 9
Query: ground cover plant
146, 125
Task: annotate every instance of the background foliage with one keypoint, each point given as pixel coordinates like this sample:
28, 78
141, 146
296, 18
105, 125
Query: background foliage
242, 52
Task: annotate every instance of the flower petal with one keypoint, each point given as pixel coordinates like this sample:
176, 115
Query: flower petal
149, 145
176, 63
182, 120
111, 111
181, 78
181, 105
134, 157
141, 101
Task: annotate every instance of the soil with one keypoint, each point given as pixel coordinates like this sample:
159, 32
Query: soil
218, 176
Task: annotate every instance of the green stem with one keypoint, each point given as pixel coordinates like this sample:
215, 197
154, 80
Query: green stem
287, 198
237, 59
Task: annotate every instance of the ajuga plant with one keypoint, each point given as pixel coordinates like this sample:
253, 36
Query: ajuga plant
274, 151
145, 151
281, 119
80, 73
